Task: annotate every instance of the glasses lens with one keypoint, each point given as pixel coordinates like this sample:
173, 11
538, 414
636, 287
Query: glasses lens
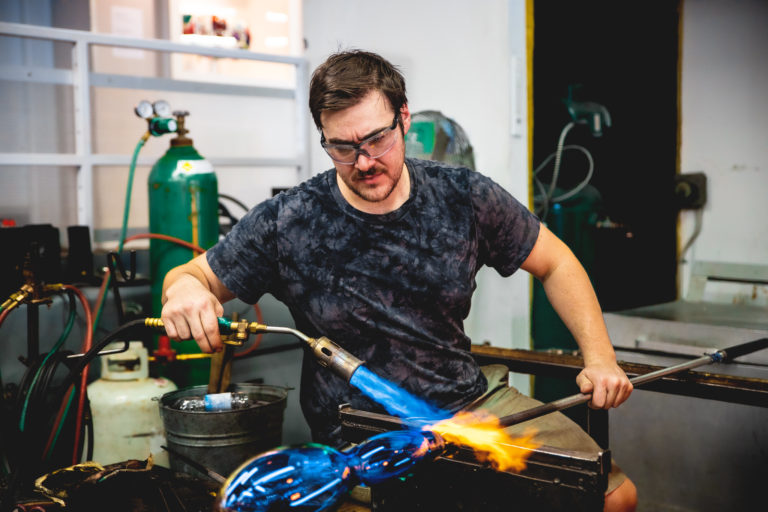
380, 144
342, 154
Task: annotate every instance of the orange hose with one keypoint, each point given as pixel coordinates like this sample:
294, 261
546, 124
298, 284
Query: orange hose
102, 289
87, 343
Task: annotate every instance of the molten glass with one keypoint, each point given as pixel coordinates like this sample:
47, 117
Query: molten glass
314, 477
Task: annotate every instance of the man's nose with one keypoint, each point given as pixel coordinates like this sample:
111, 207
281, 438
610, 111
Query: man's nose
364, 162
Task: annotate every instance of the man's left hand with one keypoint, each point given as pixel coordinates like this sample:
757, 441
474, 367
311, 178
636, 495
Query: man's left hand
607, 383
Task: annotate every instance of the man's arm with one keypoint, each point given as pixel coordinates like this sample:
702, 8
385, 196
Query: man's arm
192, 302
570, 292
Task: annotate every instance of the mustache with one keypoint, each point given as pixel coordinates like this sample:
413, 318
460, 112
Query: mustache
365, 174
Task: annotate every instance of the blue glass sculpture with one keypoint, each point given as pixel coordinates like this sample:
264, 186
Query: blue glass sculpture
314, 477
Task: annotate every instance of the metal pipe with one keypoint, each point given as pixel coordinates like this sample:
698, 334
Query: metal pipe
719, 356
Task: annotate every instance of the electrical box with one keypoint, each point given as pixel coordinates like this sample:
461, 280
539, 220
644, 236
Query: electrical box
690, 190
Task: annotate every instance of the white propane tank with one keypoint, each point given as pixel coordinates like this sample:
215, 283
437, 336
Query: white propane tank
126, 420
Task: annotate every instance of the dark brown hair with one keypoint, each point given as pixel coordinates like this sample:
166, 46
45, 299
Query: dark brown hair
346, 77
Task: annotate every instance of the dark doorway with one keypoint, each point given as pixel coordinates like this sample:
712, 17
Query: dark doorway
623, 227
623, 56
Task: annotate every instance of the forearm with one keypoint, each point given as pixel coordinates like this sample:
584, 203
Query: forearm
571, 294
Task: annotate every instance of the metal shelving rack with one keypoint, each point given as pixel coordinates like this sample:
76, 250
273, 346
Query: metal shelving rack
82, 79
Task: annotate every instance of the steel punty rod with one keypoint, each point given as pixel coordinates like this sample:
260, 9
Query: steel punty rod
719, 356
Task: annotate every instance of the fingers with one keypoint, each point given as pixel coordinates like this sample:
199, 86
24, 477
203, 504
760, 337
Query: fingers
609, 387
194, 320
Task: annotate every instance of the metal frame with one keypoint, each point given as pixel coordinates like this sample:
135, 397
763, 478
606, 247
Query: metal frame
82, 79
698, 384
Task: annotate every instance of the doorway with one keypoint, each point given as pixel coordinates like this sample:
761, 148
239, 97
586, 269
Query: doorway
620, 59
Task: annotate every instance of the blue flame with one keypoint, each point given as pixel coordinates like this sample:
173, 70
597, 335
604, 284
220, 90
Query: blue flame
395, 400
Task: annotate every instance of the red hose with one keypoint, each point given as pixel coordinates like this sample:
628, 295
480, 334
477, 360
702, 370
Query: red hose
167, 238
3, 315
87, 343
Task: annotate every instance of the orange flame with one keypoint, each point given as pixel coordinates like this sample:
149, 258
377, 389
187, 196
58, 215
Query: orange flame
481, 431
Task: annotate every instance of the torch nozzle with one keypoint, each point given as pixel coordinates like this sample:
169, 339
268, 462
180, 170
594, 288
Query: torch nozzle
332, 356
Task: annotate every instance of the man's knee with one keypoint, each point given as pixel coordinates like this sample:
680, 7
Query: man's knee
623, 498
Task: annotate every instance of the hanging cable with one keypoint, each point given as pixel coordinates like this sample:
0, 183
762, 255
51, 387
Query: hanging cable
124, 226
235, 200
56, 346
87, 342
58, 422
545, 199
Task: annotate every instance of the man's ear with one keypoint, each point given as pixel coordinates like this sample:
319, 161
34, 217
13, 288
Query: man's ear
405, 118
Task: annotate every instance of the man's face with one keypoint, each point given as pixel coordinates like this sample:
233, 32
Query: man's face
370, 184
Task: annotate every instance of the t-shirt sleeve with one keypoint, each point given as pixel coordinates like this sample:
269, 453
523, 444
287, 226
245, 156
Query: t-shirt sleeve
246, 259
507, 230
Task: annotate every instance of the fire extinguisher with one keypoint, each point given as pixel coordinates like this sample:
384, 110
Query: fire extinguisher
183, 203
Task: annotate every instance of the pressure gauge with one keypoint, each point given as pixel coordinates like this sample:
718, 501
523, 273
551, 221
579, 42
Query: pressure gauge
162, 108
144, 110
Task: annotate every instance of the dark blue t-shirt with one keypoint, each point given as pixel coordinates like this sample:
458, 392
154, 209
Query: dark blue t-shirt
391, 289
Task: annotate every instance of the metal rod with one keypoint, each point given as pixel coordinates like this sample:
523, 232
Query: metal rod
196, 465
724, 355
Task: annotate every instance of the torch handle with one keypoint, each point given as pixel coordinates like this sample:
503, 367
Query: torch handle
724, 355
744, 349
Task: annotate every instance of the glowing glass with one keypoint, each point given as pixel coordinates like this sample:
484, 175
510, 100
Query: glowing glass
375, 146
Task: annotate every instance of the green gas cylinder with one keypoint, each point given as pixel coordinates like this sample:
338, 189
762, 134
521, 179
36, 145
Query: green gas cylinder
183, 203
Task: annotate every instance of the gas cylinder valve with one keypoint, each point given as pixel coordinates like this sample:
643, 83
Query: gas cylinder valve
158, 116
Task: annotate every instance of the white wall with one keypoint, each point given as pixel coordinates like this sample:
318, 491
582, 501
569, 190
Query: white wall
725, 134
456, 57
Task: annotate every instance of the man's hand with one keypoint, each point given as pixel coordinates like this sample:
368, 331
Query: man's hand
607, 383
192, 311
192, 303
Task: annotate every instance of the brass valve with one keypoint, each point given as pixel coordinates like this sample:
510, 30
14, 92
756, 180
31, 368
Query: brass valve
17, 297
234, 332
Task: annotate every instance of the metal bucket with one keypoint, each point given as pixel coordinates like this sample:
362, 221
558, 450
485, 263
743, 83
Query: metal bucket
222, 440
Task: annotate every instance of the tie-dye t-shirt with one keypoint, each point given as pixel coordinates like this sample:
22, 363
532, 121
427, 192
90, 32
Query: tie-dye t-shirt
391, 289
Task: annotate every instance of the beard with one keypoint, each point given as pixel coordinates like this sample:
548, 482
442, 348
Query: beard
376, 191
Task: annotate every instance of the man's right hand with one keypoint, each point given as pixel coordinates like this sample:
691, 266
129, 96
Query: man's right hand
192, 303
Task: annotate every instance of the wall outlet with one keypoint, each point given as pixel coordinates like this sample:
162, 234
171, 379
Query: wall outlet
690, 190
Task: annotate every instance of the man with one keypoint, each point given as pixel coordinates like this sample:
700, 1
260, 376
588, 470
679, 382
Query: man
380, 255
